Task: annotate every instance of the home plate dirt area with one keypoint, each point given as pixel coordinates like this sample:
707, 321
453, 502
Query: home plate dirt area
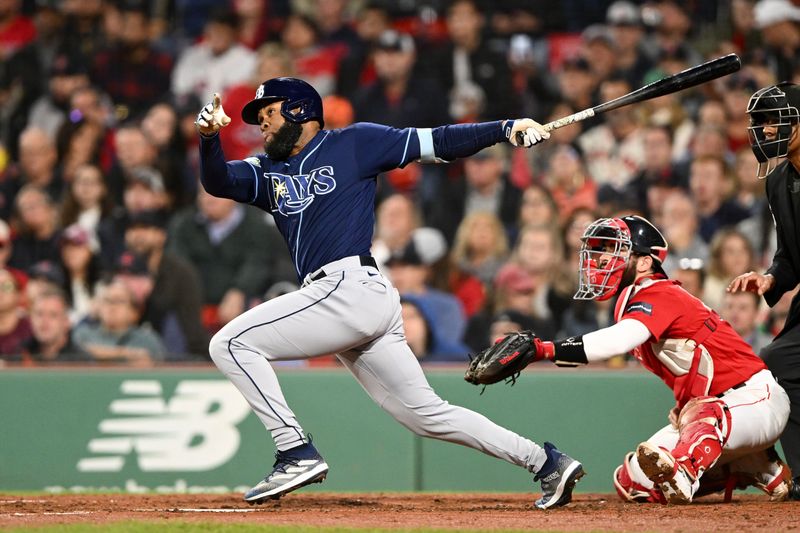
587, 512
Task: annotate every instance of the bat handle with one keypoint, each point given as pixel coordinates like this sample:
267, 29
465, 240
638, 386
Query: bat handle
570, 119
560, 123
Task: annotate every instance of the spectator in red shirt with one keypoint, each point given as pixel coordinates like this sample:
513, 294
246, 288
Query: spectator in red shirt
5, 254
315, 63
15, 328
242, 140
511, 304
16, 30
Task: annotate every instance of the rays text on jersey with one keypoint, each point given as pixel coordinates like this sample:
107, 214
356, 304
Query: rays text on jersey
291, 194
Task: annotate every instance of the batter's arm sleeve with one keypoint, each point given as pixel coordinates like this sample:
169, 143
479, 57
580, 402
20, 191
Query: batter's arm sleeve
236, 180
446, 143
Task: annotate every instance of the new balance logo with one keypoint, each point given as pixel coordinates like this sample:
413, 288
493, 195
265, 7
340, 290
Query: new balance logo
194, 431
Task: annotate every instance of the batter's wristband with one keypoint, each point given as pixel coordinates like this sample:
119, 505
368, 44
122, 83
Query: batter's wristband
570, 352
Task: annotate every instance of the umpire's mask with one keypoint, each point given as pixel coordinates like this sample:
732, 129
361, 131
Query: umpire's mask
770, 107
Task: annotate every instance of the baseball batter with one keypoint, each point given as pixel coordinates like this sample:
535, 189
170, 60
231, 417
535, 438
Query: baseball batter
729, 409
319, 185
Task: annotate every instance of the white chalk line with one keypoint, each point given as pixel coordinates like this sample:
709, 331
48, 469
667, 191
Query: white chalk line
190, 510
172, 510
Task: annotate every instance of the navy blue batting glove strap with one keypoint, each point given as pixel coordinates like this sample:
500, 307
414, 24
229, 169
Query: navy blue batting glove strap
508, 125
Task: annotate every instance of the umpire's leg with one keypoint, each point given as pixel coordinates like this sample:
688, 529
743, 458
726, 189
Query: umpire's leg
783, 359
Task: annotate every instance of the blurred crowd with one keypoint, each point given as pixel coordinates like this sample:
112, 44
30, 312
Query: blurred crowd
111, 252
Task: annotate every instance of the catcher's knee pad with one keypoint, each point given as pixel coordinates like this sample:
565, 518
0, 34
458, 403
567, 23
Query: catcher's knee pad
703, 428
632, 491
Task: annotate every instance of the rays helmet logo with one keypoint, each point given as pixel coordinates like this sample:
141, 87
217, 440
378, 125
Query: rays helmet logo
293, 194
260, 91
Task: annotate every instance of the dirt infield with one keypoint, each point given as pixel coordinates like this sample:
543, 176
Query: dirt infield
457, 511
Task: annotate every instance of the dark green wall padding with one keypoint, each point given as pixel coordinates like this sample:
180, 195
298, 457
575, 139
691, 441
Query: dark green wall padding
49, 417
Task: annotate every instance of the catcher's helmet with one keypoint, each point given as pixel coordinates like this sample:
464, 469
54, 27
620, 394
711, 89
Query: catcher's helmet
607, 244
301, 102
774, 106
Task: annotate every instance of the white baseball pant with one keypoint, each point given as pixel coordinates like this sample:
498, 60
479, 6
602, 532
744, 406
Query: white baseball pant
759, 411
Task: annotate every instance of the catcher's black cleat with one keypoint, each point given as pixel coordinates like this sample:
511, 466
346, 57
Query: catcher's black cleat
293, 469
558, 476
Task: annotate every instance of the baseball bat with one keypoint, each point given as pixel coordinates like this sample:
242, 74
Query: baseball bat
710, 70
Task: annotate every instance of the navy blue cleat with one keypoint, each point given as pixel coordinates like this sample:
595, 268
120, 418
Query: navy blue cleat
293, 469
558, 476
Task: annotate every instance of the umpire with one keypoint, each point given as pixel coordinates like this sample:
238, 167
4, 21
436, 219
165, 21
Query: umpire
775, 141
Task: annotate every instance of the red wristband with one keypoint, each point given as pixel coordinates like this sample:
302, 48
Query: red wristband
544, 350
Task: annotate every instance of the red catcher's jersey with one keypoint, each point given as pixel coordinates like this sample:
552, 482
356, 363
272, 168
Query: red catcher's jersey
669, 312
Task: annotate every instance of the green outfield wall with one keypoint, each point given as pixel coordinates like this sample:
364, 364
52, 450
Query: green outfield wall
190, 431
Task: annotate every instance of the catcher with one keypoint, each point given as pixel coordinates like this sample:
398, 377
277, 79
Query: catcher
729, 409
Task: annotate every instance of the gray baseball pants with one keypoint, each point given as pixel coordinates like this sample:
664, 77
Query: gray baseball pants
353, 311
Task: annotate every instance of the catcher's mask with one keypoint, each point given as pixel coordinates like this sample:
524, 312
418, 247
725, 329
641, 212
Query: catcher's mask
301, 102
607, 245
770, 107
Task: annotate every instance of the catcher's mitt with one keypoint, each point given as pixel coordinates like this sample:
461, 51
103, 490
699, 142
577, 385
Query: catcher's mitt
504, 360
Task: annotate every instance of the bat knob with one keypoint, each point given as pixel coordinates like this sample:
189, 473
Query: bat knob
520, 136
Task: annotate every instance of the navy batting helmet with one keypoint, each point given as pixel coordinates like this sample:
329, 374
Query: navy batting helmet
301, 102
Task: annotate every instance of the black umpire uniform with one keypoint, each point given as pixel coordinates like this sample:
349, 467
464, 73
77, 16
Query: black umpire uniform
783, 354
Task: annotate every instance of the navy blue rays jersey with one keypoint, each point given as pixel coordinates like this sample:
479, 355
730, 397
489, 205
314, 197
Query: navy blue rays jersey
322, 199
